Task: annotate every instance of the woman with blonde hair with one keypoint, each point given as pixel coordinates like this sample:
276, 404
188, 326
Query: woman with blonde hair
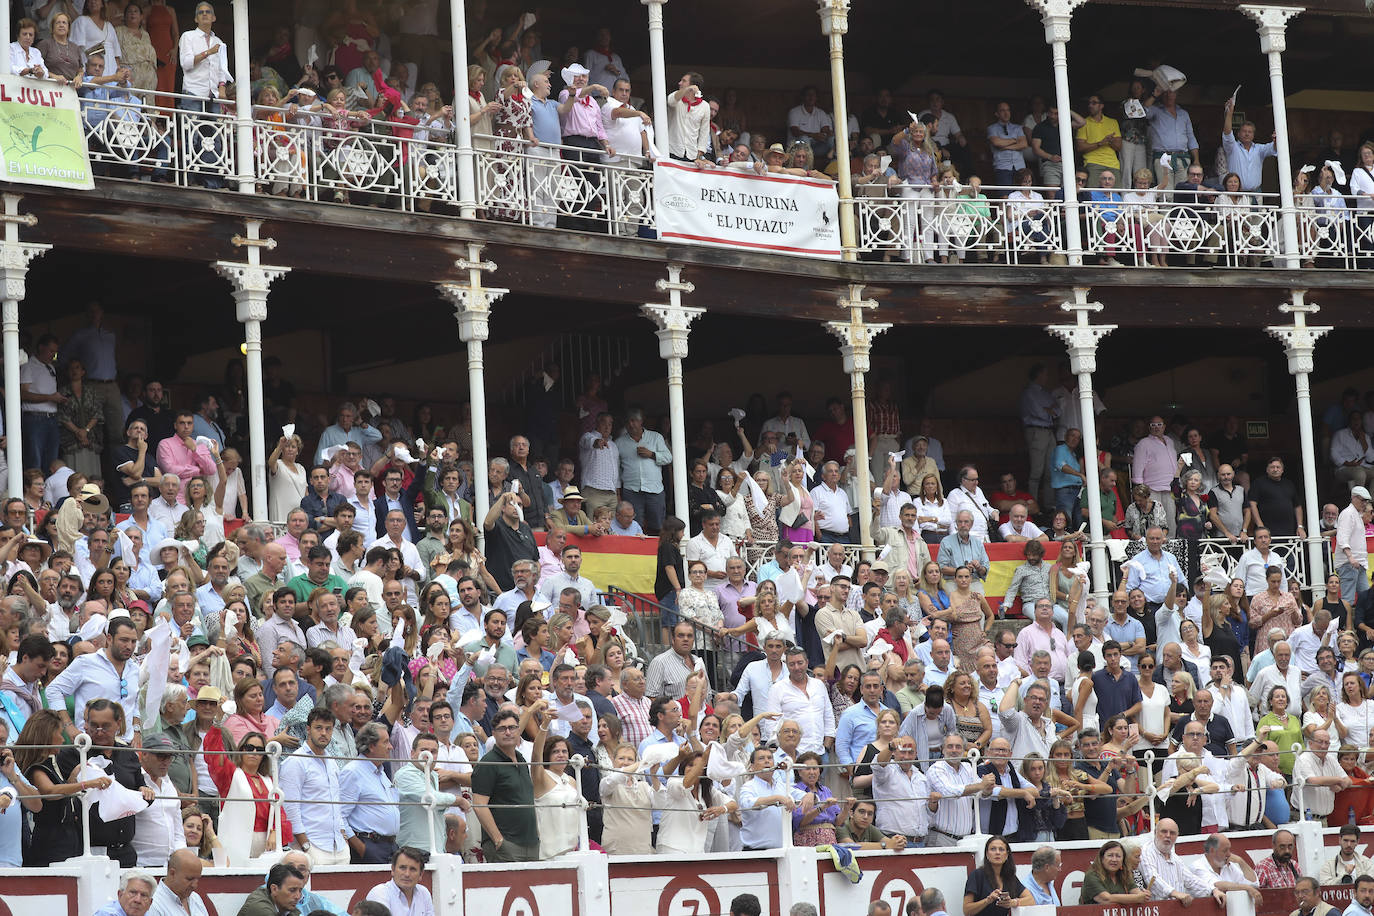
286, 480
905, 590
796, 511
480, 111
930, 591
933, 517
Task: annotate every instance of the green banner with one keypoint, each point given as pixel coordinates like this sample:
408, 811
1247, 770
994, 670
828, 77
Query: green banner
43, 140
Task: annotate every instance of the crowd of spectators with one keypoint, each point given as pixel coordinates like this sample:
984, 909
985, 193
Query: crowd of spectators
1155, 194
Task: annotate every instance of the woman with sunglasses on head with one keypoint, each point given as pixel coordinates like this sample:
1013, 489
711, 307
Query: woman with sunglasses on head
247, 830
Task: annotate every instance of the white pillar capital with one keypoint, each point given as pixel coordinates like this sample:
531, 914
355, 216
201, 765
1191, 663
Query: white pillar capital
1299, 341
1081, 341
674, 324
1056, 15
1272, 22
251, 283
834, 16
14, 265
472, 308
856, 342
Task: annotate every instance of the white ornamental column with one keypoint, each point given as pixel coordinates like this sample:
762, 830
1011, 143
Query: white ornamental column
1056, 15
1273, 24
243, 103
462, 124
674, 322
657, 70
472, 307
1299, 340
1081, 338
14, 268
856, 344
834, 24
252, 281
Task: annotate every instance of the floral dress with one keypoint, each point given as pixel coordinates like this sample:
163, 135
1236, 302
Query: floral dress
78, 411
763, 520
510, 123
966, 631
139, 56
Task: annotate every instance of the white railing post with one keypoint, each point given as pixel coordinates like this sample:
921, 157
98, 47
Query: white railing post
243, 103
462, 122
14, 268
1300, 341
1081, 339
472, 307
83, 747
584, 841
856, 345
274, 797
1149, 788
1272, 22
430, 799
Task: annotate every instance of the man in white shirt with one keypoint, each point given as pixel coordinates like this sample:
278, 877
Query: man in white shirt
604, 64
689, 122
1351, 554
712, 548
807, 122
1308, 638
1251, 566
412, 566
404, 895
1251, 777
1280, 674
1231, 703
759, 676
625, 125
1033, 727
600, 461
832, 506
955, 781
157, 828
1323, 775
570, 577
205, 72
968, 496
176, 895
1019, 528
785, 424
900, 789
1220, 871
1194, 744
806, 700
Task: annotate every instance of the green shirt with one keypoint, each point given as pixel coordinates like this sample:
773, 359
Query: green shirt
505, 655
871, 835
302, 586
504, 784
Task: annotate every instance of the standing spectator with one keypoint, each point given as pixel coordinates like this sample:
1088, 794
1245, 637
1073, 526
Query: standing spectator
38, 393
1352, 453
968, 496
205, 72
1098, 141
1155, 464
762, 801
509, 539
643, 455
320, 829
1351, 554
1044, 143
94, 346
599, 457
181, 456
1244, 156
1275, 504
370, 799
1006, 140
1171, 133
809, 123
107, 673
157, 828
508, 832
417, 821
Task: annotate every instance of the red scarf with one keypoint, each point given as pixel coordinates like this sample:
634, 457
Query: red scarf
693, 103
517, 96
476, 96
586, 100
502, 63
606, 51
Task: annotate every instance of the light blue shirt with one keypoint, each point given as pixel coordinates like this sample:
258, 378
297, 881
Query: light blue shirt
1125, 633
634, 530
372, 799
1043, 896
11, 827
335, 435
657, 737
1063, 456
1170, 132
93, 676
761, 828
956, 553
414, 829
643, 475
1154, 582
547, 127
152, 536
858, 726
165, 903
209, 600
304, 775
95, 347
1248, 164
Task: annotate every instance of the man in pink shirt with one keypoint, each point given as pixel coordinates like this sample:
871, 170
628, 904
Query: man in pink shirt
1155, 463
297, 521
182, 455
579, 113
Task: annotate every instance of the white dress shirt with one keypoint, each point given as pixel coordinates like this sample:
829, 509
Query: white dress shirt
157, 828
713, 555
165, 903
203, 79
835, 505
93, 676
1320, 800
390, 896
954, 815
757, 680
1234, 706
600, 466
23, 60
1169, 873
809, 708
960, 499
892, 784
1214, 805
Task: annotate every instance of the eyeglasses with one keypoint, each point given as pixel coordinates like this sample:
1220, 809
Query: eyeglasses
506, 728
253, 749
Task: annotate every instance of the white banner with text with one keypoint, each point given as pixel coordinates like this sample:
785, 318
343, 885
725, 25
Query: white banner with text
728, 208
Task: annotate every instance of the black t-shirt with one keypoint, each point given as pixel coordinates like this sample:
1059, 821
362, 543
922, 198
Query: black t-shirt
894, 117
505, 545
1048, 135
978, 886
504, 784
123, 454
668, 555
159, 424
1276, 501
1231, 448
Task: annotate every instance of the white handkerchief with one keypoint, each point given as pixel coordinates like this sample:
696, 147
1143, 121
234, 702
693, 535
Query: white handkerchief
115, 802
569, 713
582, 413
720, 767
877, 492
1307, 168
1236, 93
882, 554
515, 487
737, 414
617, 618
403, 453
657, 755
529, 19
897, 456
288, 430
1216, 577
1336, 169
1165, 161
420, 444
879, 648
398, 632
913, 116
329, 453
1133, 109
205, 441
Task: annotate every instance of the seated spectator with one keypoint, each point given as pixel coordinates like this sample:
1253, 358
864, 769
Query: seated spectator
807, 122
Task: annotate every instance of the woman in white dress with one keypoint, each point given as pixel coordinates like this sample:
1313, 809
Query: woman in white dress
1355, 711
198, 497
92, 28
285, 478
735, 524
557, 800
1084, 699
1154, 713
1321, 716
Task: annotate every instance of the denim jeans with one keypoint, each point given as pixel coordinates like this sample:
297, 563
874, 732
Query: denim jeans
40, 434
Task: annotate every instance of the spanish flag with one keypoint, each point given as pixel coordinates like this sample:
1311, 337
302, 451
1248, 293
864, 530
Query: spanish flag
628, 563
1002, 562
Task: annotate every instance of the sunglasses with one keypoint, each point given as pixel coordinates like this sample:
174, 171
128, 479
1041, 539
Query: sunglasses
252, 749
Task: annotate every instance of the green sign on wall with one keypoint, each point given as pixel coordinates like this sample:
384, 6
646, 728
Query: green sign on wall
41, 136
